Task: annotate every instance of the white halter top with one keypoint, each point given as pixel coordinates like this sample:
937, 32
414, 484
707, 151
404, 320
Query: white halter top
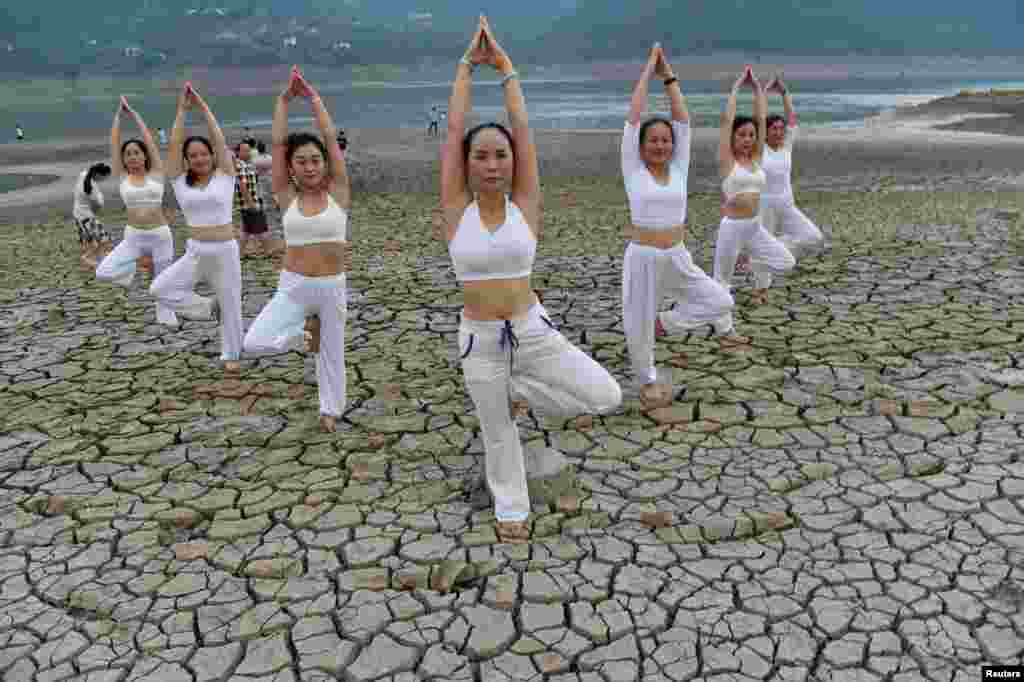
742, 181
329, 225
479, 254
149, 195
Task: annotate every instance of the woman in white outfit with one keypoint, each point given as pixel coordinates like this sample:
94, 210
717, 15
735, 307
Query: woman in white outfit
655, 165
88, 199
147, 233
779, 213
203, 175
311, 182
506, 340
740, 150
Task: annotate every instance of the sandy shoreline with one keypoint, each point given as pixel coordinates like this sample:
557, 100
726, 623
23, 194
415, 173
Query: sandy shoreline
984, 112
903, 148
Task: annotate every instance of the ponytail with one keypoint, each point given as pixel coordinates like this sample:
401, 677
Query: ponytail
97, 170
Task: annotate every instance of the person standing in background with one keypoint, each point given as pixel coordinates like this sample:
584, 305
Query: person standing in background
88, 200
435, 119
19, 132
262, 162
161, 135
252, 212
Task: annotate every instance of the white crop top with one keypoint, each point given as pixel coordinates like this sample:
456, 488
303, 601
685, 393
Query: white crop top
506, 253
778, 167
149, 195
329, 225
85, 204
743, 181
651, 205
206, 206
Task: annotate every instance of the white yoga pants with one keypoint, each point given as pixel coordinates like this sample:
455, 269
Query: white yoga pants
216, 263
281, 324
767, 255
526, 356
119, 265
788, 223
650, 274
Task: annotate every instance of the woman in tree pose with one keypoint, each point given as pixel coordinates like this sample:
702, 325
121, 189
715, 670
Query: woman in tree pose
147, 233
203, 175
506, 340
311, 182
778, 209
655, 164
88, 199
740, 149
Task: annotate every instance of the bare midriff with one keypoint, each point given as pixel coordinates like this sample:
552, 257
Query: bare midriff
664, 238
146, 218
742, 206
316, 260
497, 299
212, 233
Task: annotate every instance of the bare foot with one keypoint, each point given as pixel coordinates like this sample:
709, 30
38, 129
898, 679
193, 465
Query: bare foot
659, 329
742, 265
758, 296
232, 367
311, 334
512, 532
653, 396
328, 423
734, 341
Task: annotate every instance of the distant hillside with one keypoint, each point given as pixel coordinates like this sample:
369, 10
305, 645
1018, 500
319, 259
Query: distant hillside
134, 36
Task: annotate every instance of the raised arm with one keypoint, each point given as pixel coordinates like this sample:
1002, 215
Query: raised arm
725, 159
280, 179
115, 144
675, 93
225, 163
638, 103
454, 194
526, 186
175, 153
340, 187
156, 164
787, 103
760, 116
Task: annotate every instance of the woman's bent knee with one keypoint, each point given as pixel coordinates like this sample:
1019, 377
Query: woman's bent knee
606, 397
720, 297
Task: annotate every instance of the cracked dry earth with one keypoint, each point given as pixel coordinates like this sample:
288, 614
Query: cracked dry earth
844, 501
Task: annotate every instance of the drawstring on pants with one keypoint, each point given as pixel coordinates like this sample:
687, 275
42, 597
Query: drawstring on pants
509, 335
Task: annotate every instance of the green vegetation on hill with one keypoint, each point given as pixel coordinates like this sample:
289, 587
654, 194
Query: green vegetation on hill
129, 36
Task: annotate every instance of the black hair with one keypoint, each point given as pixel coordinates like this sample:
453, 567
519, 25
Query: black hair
296, 140
741, 121
261, 148
96, 171
467, 141
141, 145
190, 177
773, 119
651, 121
